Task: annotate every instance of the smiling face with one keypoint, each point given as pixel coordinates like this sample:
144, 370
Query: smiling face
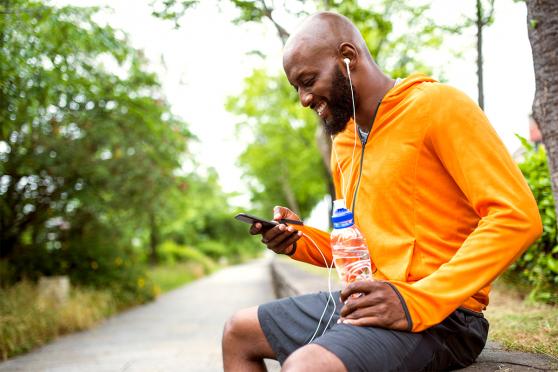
315, 74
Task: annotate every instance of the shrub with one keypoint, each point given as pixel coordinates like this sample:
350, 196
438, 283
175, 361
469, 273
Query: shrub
94, 255
171, 252
537, 268
212, 248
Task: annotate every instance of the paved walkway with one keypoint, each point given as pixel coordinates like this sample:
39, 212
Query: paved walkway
181, 331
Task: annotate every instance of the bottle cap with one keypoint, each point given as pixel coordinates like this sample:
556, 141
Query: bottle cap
341, 217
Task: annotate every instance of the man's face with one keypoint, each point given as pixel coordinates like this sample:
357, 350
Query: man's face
322, 87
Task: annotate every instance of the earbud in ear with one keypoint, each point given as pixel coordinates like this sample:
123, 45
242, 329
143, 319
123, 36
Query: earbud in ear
347, 61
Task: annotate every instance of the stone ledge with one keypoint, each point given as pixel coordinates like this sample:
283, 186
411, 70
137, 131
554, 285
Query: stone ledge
290, 280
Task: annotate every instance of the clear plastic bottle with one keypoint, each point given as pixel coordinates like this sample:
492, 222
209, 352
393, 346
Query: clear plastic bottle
350, 252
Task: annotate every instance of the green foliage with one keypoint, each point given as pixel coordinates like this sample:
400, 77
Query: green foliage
88, 148
171, 9
170, 276
203, 219
538, 266
172, 253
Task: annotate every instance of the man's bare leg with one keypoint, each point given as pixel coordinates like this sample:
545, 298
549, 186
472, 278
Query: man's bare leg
311, 358
244, 343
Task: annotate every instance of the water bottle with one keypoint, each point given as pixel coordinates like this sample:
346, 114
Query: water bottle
350, 252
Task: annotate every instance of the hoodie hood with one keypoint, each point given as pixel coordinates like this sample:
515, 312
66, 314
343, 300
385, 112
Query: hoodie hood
401, 90
390, 101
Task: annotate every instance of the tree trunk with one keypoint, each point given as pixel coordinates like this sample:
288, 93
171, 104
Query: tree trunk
153, 239
542, 25
480, 24
288, 192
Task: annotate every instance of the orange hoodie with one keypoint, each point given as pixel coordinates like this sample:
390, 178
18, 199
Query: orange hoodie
443, 207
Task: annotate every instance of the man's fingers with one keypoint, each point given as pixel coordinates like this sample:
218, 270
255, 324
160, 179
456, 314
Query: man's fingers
271, 234
256, 228
280, 244
379, 320
281, 212
354, 304
365, 308
281, 239
369, 321
360, 286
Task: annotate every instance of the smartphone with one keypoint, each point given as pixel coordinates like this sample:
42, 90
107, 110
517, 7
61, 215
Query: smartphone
266, 225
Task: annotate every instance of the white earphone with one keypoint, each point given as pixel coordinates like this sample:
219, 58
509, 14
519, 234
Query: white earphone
347, 61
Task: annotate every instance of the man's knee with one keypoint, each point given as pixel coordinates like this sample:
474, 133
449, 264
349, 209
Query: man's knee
243, 337
313, 357
242, 325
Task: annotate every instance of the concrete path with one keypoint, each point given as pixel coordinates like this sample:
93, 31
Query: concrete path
181, 331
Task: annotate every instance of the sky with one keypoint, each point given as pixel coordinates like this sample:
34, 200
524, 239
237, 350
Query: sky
206, 60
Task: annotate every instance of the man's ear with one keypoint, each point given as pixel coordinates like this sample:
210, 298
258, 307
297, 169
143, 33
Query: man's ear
348, 50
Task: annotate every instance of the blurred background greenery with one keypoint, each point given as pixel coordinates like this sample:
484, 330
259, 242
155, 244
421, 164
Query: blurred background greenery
92, 183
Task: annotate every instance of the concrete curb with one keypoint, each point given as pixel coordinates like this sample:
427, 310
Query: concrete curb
290, 280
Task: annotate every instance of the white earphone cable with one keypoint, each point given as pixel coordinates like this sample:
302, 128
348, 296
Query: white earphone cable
344, 189
345, 186
330, 297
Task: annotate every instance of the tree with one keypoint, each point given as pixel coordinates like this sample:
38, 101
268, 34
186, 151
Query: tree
87, 152
483, 19
542, 25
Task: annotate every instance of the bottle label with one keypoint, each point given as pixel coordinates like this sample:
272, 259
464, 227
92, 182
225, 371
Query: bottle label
342, 224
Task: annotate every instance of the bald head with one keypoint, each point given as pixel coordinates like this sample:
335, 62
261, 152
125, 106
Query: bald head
324, 33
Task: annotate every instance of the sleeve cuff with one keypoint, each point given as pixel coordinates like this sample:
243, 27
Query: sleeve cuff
293, 250
404, 305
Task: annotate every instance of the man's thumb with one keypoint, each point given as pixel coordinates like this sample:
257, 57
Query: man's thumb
278, 212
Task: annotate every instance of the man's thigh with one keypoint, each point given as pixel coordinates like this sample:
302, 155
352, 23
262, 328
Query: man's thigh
378, 349
291, 323
294, 322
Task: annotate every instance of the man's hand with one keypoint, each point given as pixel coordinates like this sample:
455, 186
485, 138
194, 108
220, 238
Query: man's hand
279, 239
377, 306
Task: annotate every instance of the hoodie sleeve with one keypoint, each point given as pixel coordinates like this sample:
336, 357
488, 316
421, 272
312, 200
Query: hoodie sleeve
313, 247
470, 150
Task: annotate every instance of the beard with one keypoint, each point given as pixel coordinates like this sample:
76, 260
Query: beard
340, 104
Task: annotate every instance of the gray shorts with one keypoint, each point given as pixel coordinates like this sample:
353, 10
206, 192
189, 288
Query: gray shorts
290, 323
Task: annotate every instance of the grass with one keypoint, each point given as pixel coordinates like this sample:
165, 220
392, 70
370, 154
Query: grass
27, 321
519, 324
168, 277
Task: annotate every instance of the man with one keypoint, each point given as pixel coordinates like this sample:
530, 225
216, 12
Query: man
442, 205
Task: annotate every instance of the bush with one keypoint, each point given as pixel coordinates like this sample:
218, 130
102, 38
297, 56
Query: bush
170, 276
171, 252
92, 254
537, 268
